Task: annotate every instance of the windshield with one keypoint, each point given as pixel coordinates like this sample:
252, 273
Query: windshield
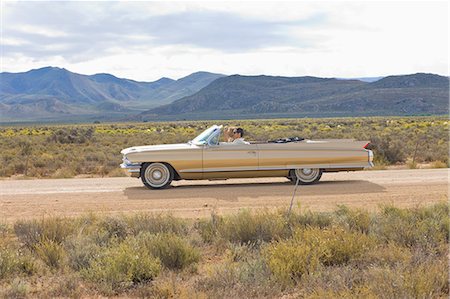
203, 137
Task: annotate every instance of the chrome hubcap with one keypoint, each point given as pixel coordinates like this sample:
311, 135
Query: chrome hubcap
307, 171
157, 175
307, 175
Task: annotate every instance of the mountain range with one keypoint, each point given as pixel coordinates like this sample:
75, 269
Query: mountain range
56, 94
52, 93
255, 96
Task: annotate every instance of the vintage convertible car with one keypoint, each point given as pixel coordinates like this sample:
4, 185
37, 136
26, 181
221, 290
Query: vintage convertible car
205, 157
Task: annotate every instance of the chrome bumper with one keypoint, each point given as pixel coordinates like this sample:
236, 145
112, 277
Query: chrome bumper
133, 168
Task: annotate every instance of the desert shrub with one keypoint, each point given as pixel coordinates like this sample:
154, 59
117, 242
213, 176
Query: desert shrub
115, 227
249, 279
311, 248
51, 253
117, 172
439, 164
81, 251
173, 251
122, 266
354, 219
27, 263
156, 224
72, 135
63, 173
383, 255
425, 280
32, 232
18, 289
426, 227
246, 227
208, 228
309, 218
8, 262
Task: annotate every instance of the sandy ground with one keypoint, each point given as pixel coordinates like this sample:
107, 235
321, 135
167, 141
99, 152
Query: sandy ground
20, 199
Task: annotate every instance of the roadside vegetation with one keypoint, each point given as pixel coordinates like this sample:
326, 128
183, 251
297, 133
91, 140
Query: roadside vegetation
391, 253
63, 151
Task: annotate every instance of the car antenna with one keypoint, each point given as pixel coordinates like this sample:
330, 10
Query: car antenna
292, 199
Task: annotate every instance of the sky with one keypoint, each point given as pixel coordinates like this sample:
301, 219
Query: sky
147, 40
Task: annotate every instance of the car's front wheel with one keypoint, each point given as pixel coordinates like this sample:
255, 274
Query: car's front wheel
305, 176
156, 175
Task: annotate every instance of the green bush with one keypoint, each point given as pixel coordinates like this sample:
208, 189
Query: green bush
173, 251
51, 253
122, 266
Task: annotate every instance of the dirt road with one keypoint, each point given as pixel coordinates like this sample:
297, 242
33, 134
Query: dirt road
68, 197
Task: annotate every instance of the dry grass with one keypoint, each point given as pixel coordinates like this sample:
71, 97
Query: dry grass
393, 253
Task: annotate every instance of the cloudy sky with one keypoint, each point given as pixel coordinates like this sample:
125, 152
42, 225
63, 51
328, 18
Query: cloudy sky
148, 40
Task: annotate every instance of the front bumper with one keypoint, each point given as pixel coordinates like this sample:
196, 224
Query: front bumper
133, 168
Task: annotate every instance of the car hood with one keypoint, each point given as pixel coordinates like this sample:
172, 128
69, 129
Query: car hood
151, 148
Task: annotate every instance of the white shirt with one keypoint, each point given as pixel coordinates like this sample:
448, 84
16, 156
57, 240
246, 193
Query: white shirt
240, 141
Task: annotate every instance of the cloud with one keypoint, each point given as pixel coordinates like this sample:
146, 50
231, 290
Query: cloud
148, 40
84, 31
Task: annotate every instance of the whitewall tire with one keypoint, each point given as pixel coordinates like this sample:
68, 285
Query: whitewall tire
156, 175
306, 176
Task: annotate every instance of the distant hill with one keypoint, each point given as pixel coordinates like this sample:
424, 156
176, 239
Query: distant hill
52, 93
266, 96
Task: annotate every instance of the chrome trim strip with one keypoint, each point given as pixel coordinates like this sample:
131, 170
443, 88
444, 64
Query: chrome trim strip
287, 167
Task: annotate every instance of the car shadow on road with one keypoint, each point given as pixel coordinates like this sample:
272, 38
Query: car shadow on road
232, 192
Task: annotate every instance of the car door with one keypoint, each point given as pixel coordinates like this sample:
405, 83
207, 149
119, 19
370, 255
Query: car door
222, 158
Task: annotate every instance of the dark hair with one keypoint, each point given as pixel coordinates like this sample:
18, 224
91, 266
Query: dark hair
240, 131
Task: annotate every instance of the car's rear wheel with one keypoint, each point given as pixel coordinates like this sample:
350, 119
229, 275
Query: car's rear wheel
306, 176
156, 175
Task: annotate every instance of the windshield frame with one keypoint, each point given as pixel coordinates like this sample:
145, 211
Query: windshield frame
203, 137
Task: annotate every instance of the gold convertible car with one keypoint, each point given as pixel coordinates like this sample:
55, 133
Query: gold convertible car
206, 157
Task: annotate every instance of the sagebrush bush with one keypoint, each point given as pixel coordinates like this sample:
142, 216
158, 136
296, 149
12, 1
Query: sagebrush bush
354, 219
173, 251
122, 266
246, 227
31, 232
115, 227
81, 251
428, 279
309, 218
51, 253
156, 224
311, 248
8, 262
424, 227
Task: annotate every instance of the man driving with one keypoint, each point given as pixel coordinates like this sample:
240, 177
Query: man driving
238, 136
